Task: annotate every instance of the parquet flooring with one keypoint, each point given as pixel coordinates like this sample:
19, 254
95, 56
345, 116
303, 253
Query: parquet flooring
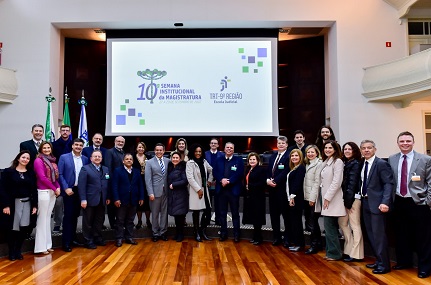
191, 262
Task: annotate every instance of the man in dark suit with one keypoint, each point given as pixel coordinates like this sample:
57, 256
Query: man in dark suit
228, 173
278, 167
114, 159
93, 184
299, 138
61, 146
377, 182
69, 166
156, 181
97, 145
412, 215
127, 193
33, 145
211, 156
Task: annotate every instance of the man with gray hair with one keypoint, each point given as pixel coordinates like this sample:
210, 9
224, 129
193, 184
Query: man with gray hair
376, 184
278, 167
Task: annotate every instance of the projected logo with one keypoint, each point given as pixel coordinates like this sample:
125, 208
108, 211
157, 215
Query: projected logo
150, 90
223, 83
253, 60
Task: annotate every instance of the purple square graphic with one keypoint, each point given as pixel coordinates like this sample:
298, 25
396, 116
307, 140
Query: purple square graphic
140, 115
120, 120
242, 56
261, 52
251, 59
132, 112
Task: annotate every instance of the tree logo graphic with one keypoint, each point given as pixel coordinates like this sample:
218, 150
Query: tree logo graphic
151, 89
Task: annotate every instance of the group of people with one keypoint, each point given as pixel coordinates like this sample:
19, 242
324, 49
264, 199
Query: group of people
342, 184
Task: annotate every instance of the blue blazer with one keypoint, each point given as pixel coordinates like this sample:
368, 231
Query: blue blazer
208, 157
87, 151
281, 170
66, 169
380, 185
236, 173
93, 183
129, 192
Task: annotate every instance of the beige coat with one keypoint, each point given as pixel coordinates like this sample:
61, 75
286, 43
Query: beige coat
312, 180
331, 178
195, 184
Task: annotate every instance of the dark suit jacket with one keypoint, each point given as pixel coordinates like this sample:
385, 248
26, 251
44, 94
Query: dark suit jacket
113, 159
256, 194
66, 169
235, 176
296, 184
29, 145
61, 147
93, 183
380, 183
280, 175
129, 192
87, 151
208, 156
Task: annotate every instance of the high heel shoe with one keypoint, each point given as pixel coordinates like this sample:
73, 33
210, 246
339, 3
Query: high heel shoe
139, 225
149, 225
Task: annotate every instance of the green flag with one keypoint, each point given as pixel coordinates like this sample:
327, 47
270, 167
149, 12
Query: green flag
66, 116
49, 125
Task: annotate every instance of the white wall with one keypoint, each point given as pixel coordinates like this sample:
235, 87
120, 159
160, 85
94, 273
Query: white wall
357, 39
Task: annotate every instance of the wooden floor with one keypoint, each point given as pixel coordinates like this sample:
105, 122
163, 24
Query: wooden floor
190, 262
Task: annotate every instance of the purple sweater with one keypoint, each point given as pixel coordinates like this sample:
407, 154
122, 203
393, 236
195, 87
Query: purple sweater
42, 180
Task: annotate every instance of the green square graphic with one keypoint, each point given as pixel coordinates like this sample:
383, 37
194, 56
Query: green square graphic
126, 101
259, 63
245, 69
240, 50
142, 122
122, 107
256, 71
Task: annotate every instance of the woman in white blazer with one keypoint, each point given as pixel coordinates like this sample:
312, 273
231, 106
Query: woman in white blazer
313, 163
332, 204
199, 176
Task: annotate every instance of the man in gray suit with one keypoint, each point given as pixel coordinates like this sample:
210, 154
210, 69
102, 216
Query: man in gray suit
377, 182
156, 182
93, 183
412, 213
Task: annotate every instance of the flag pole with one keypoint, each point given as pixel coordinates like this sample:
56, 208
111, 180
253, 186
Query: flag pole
49, 124
83, 131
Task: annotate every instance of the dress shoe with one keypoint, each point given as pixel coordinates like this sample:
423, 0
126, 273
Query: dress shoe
257, 242
67, 248
77, 243
155, 238
276, 242
204, 235
223, 237
131, 241
236, 239
100, 242
149, 225
12, 257
118, 242
294, 248
91, 246
371, 265
180, 238
381, 270
252, 241
351, 259
138, 225
286, 244
164, 237
19, 256
423, 274
311, 250
401, 267
331, 259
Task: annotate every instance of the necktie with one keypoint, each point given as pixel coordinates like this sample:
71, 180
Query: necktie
37, 144
96, 148
162, 166
275, 164
364, 182
403, 184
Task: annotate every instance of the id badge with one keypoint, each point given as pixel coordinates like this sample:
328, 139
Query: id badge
281, 166
233, 168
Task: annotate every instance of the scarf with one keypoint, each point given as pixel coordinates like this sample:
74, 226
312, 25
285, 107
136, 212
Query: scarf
50, 165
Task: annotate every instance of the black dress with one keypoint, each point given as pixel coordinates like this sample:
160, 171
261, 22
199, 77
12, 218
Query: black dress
136, 164
254, 206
